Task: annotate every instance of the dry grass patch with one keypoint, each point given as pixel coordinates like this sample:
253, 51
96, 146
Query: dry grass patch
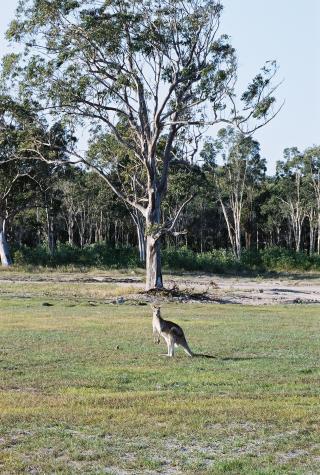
66, 290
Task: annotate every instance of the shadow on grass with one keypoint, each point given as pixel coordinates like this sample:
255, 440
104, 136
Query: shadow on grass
244, 358
203, 355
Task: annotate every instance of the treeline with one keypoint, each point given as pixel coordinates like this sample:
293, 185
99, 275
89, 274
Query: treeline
235, 207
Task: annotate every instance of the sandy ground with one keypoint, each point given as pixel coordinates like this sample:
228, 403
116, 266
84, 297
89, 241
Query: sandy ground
281, 289
259, 291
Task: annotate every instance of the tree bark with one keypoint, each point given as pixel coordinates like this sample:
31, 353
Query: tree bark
318, 237
236, 210
70, 225
229, 228
5, 256
153, 255
153, 264
248, 237
141, 242
312, 230
312, 239
50, 232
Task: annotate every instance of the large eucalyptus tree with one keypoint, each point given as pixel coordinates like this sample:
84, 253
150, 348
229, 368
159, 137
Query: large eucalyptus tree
148, 72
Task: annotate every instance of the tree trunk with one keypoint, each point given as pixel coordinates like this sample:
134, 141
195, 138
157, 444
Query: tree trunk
108, 231
153, 264
311, 239
142, 243
50, 231
71, 230
231, 238
115, 234
80, 221
138, 221
237, 232
153, 256
318, 237
297, 228
312, 231
38, 227
100, 228
248, 237
289, 237
5, 256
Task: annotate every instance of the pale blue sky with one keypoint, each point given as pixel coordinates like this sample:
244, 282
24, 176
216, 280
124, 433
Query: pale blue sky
285, 30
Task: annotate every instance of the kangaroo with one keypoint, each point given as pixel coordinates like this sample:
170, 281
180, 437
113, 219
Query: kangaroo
171, 332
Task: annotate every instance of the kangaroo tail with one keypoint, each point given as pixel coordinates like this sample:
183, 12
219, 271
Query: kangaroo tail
189, 352
187, 349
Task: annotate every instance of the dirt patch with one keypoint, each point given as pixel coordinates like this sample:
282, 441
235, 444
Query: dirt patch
250, 291
235, 290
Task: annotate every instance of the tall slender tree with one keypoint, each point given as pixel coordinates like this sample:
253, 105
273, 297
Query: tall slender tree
312, 170
291, 191
241, 169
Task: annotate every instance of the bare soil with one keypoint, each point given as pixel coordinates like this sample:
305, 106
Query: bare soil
291, 289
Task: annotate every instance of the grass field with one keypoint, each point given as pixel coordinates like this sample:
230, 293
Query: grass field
84, 390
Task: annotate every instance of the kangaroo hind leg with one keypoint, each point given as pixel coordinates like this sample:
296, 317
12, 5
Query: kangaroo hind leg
171, 345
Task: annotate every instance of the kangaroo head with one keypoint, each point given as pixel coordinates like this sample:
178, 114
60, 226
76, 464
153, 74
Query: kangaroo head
156, 310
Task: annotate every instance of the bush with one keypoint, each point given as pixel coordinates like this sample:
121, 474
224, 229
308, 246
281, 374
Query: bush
214, 261
19, 258
95, 255
222, 261
217, 260
280, 259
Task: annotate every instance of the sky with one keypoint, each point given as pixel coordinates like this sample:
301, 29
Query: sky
260, 30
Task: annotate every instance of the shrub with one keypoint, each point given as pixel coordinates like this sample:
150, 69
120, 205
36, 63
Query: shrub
280, 259
95, 255
217, 260
214, 261
19, 258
